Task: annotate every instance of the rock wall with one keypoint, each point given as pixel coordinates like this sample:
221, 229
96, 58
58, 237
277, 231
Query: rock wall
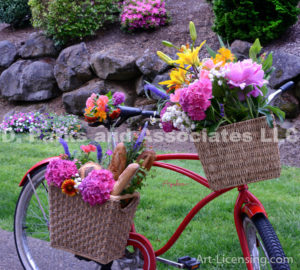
38, 72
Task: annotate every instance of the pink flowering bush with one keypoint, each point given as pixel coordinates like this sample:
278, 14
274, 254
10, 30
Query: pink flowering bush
195, 99
59, 170
143, 14
97, 186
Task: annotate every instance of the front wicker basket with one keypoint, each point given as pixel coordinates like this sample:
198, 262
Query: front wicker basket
98, 233
229, 163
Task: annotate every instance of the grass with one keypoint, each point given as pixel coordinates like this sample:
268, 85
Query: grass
163, 206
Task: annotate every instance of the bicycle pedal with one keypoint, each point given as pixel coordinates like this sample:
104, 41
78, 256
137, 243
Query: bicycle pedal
189, 263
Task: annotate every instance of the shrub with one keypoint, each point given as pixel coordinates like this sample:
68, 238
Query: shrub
67, 20
144, 14
251, 19
42, 125
14, 12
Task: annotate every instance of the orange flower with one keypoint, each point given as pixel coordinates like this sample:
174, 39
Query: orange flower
101, 115
68, 187
88, 148
101, 102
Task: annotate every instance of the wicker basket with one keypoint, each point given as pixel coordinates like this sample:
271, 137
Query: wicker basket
229, 163
99, 233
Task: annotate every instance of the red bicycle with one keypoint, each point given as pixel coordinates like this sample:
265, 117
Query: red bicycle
256, 235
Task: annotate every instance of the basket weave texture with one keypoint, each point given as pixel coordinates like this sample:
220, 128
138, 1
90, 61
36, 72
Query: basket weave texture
228, 163
99, 232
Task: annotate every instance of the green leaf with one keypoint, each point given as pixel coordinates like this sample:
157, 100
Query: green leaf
268, 62
211, 52
255, 50
269, 116
279, 113
221, 42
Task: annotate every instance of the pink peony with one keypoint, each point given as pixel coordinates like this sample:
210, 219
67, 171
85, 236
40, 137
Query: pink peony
195, 99
167, 126
245, 73
59, 170
97, 186
176, 96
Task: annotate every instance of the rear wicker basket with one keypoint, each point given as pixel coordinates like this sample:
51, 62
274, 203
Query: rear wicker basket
99, 233
229, 163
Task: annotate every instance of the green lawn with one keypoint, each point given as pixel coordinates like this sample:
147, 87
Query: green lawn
210, 234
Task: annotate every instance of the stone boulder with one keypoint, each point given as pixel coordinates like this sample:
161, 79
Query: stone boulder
240, 49
28, 80
287, 68
74, 102
151, 65
72, 67
38, 45
113, 65
8, 54
289, 104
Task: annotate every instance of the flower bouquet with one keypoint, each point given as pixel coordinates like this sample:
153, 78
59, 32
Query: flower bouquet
92, 208
222, 102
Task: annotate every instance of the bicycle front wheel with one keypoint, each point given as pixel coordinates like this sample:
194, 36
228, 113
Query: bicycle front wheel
265, 249
31, 231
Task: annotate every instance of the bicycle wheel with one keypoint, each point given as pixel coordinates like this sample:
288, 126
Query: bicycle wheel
139, 254
265, 249
32, 235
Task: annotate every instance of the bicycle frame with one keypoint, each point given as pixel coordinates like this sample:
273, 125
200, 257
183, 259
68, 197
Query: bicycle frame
246, 203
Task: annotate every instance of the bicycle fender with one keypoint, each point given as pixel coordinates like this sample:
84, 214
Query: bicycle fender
251, 209
35, 168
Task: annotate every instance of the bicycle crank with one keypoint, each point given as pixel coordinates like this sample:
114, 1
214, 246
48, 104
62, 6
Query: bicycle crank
132, 261
185, 262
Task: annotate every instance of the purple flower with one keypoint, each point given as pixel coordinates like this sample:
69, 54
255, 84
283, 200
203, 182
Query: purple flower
222, 110
97, 186
118, 98
109, 152
65, 146
156, 91
167, 126
141, 137
99, 151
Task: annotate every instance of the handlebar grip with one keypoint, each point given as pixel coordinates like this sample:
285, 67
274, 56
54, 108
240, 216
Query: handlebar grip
287, 86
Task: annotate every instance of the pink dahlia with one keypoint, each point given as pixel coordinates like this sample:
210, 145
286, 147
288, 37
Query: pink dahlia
195, 99
97, 186
167, 126
246, 73
59, 170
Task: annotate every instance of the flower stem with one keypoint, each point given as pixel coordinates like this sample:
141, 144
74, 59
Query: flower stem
250, 108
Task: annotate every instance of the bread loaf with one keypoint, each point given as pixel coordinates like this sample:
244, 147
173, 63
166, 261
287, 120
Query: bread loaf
125, 178
87, 168
149, 157
118, 162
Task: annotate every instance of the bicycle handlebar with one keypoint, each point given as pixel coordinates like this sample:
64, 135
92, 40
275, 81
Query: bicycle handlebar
127, 112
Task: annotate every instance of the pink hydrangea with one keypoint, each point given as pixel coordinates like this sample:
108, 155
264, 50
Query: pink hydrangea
59, 170
195, 99
167, 126
97, 186
246, 73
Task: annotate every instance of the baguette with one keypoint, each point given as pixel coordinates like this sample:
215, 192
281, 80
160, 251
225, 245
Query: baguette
118, 161
125, 178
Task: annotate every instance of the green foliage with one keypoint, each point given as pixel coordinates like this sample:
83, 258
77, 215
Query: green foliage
251, 19
14, 12
68, 20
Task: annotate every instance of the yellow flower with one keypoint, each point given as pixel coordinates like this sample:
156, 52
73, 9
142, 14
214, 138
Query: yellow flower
88, 110
101, 115
188, 56
177, 77
224, 55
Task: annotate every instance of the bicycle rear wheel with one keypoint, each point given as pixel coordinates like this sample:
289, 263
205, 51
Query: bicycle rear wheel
265, 249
